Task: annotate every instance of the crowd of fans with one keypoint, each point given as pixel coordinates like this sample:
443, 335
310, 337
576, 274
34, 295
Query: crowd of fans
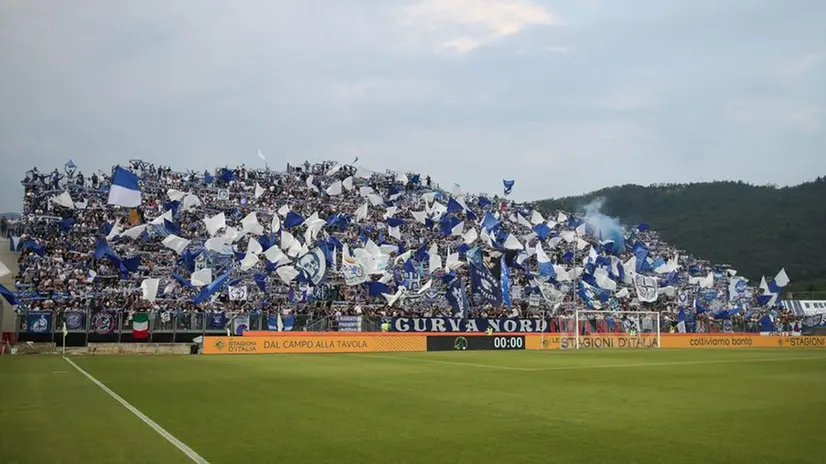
58, 269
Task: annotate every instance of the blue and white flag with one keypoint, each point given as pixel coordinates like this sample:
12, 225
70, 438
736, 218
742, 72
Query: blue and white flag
506, 282
591, 295
489, 222
240, 324
38, 322
737, 289
313, 264
508, 184
217, 320
646, 288
9, 296
74, 320
287, 322
485, 285
207, 292
124, 190
457, 297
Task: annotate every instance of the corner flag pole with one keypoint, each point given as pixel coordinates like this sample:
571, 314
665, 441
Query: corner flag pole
65, 332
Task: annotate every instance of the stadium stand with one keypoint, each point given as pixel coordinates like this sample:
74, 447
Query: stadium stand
310, 247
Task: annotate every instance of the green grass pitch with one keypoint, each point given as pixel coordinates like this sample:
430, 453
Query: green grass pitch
645, 406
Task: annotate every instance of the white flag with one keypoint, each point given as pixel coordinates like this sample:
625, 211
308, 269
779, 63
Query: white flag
287, 273
334, 188
215, 223
175, 243
781, 279
250, 261
149, 287
4, 271
470, 236
134, 232
201, 277
250, 224
361, 213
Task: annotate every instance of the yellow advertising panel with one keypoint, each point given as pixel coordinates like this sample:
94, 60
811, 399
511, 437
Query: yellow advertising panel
609, 341
615, 341
740, 341
314, 344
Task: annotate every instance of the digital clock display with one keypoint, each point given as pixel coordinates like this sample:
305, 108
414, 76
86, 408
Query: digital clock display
475, 342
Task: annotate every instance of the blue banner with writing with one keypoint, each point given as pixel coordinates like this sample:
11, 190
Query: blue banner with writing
75, 320
38, 322
446, 324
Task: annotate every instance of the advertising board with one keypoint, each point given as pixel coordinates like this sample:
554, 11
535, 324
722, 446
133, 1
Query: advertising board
314, 344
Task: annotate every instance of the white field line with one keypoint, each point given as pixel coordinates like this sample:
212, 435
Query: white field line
161, 431
585, 367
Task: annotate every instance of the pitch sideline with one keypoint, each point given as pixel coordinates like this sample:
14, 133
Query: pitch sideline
191, 454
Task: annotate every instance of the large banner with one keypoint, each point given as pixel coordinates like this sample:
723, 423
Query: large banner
314, 344
646, 288
349, 323
38, 322
445, 324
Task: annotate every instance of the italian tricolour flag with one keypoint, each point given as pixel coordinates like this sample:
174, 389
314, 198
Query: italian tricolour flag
140, 326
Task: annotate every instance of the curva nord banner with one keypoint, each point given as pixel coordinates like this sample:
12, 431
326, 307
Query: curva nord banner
446, 324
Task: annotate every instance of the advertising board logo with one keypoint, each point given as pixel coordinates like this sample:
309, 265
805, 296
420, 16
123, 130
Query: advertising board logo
219, 344
460, 343
104, 323
74, 320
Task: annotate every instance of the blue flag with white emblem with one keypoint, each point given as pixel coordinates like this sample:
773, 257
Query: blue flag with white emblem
506, 282
485, 285
508, 184
457, 297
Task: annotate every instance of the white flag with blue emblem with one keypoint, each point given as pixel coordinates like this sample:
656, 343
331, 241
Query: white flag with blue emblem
314, 265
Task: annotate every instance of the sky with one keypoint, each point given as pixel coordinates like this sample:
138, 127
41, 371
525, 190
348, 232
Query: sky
564, 97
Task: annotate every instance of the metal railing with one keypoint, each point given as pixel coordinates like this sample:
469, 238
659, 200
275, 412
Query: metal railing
84, 327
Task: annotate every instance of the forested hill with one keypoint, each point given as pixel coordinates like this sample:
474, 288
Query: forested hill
755, 229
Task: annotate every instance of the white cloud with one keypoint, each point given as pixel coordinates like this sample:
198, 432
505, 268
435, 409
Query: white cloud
465, 25
800, 66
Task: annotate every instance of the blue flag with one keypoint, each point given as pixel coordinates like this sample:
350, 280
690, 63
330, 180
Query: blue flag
39, 322
289, 322
207, 292
9, 296
272, 322
457, 297
485, 285
506, 282
292, 220
217, 320
508, 184
489, 222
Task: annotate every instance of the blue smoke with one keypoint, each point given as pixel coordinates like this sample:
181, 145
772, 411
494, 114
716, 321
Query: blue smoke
604, 226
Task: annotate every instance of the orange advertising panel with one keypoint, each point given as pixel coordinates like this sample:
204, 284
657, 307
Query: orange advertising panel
615, 341
740, 341
314, 344
568, 342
